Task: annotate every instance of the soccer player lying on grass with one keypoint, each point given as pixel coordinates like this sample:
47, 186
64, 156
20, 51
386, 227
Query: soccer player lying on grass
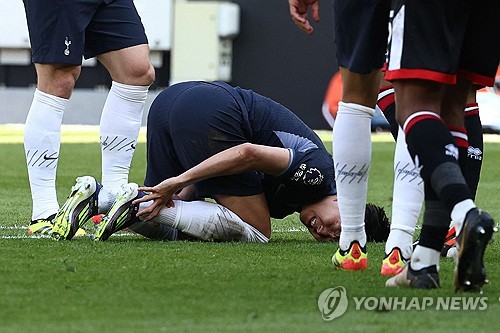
251, 155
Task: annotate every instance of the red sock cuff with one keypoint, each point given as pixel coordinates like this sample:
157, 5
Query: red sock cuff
385, 97
460, 136
471, 109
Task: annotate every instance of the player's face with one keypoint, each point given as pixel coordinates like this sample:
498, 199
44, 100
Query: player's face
322, 219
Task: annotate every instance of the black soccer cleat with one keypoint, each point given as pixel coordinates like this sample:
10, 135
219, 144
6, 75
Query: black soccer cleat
470, 273
425, 278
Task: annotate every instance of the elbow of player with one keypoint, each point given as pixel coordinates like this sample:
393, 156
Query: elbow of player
248, 154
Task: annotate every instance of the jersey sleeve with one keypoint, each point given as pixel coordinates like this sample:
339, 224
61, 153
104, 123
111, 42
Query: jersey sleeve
310, 170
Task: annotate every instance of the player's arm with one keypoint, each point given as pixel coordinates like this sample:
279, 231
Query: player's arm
235, 160
239, 159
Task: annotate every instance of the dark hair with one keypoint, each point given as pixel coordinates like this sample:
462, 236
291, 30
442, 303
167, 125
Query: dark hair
377, 224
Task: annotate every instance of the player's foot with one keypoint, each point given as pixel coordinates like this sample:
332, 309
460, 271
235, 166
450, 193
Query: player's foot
354, 259
425, 278
42, 227
449, 249
393, 263
449, 242
78, 208
121, 214
470, 274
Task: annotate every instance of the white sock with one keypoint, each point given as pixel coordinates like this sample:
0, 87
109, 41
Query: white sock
105, 200
352, 155
208, 221
120, 124
424, 257
407, 198
458, 213
400, 236
154, 230
42, 140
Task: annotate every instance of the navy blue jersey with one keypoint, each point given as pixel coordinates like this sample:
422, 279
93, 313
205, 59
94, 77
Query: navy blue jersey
189, 122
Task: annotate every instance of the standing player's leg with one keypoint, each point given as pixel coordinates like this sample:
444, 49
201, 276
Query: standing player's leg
408, 192
121, 117
123, 50
57, 49
360, 55
42, 139
473, 162
407, 199
436, 156
352, 156
469, 140
407, 206
423, 96
445, 188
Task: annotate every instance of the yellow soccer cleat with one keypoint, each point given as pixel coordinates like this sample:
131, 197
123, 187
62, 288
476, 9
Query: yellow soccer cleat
42, 227
78, 208
393, 263
354, 259
121, 215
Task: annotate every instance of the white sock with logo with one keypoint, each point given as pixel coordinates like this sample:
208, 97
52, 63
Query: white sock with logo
407, 199
207, 221
42, 140
352, 155
120, 124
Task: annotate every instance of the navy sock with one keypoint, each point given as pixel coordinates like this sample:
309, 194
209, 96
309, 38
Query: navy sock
474, 160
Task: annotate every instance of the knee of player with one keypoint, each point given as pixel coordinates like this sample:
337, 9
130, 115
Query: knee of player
59, 83
150, 75
142, 74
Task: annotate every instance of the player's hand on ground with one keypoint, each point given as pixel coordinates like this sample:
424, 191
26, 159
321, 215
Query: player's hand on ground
161, 195
298, 11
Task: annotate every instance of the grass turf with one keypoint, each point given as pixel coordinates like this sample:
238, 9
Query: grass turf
130, 284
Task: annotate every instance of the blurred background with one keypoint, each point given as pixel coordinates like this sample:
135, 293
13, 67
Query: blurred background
250, 43
253, 44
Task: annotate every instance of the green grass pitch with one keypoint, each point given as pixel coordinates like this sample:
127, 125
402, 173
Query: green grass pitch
131, 284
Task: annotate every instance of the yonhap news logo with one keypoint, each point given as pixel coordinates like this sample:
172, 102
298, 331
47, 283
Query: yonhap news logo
333, 303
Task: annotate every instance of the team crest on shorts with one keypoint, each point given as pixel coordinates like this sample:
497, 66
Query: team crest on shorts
67, 42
